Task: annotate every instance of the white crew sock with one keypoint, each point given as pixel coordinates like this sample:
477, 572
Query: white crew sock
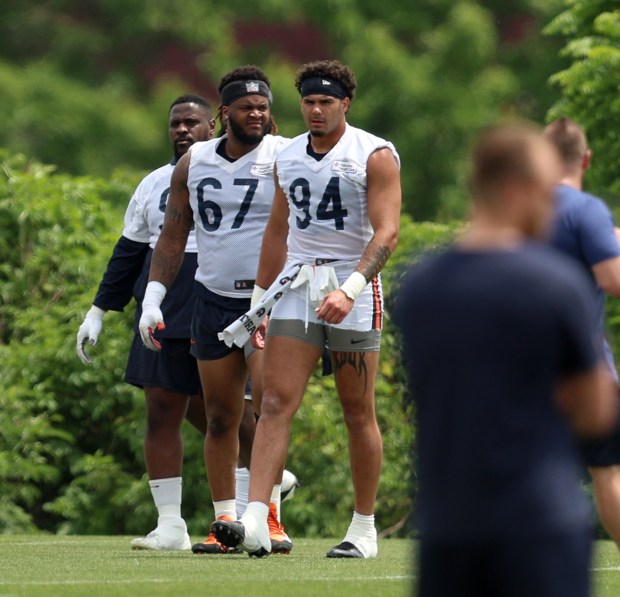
256, 529
225, 508
256, 512
362, 534
167, 497
275, 498
242, 488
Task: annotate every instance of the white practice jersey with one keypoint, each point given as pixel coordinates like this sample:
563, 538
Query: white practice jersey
328, 198
144, 217
231, 203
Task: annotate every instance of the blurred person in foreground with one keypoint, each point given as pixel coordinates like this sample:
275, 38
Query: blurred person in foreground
583, 228
498, 335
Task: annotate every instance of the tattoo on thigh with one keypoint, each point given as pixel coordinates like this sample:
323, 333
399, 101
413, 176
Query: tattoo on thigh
357, 360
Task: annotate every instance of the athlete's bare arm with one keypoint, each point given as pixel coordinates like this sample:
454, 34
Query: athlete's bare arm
607, 274
384, 201
170, 247
590, 401
274, 248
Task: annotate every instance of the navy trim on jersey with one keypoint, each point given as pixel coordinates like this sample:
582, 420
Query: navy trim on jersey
314, 154
221, 151
116, 287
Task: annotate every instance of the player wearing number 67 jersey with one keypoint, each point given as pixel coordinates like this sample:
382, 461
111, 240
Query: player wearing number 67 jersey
336, 218
225, 188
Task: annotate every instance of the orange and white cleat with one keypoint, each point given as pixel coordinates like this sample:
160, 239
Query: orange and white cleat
280, 541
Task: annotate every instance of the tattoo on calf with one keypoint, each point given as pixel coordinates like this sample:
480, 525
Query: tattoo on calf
355, 360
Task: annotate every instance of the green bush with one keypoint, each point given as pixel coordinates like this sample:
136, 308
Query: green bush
71, 436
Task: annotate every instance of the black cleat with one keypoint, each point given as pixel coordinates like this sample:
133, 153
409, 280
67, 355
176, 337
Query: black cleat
228, 533
232, 534
212, 546
344, 550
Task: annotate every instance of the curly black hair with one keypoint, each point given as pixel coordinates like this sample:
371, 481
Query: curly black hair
331, 69
249, 72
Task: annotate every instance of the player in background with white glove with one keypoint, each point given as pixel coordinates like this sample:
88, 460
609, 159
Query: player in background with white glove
170, 378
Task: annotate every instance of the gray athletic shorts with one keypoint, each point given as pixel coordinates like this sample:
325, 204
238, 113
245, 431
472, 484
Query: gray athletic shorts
324, 335
360, 331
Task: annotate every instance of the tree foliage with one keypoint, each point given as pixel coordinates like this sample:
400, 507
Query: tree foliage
86, 86
589, 85
431, 73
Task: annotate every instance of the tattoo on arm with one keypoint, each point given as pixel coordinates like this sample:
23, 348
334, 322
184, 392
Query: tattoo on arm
373, 260
175, 214
167, 264
355, 360
170, 251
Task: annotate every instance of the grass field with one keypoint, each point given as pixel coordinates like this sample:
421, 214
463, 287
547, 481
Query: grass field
71, 566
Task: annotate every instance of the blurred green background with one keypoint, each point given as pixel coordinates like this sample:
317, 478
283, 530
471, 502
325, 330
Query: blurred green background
84, 93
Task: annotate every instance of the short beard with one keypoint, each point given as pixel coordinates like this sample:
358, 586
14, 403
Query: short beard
246, 139
179, 153
317, 133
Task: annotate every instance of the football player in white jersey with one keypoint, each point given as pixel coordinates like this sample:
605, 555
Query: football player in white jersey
336, 217
224, 188
170, 378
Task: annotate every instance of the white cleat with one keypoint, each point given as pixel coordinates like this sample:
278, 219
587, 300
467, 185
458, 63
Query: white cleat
160, 540
289, 484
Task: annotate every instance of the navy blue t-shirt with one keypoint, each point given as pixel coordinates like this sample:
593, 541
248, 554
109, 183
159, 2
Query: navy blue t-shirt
487, 335
583, 228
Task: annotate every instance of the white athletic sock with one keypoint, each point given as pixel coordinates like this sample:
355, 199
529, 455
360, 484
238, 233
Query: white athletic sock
242, 488
256, 529
256, 511
275, 497
362, 534
167, 496
225, 508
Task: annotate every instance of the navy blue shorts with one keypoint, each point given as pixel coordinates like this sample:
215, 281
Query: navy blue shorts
212, 314
547, 566
173, 368
602, 452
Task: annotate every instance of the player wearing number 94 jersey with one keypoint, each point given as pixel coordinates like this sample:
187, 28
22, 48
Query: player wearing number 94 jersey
225, 188
333, 225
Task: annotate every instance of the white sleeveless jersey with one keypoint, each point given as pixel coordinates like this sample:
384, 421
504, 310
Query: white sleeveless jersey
231, 202
327, 199
144, 217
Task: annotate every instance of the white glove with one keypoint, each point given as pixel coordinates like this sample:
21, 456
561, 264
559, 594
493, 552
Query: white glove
89, 332
152, 318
